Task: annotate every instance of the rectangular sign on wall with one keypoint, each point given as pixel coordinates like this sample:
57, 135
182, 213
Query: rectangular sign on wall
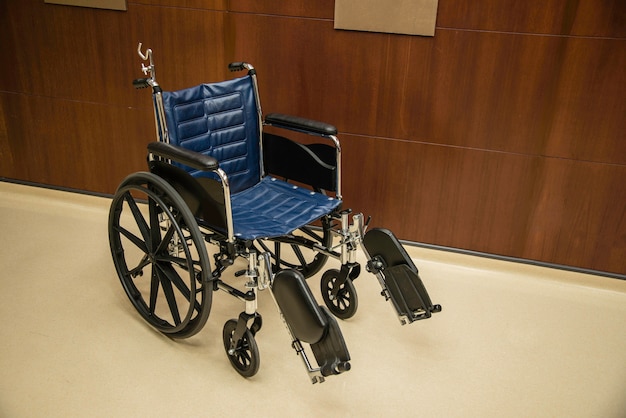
99, 4
411, 17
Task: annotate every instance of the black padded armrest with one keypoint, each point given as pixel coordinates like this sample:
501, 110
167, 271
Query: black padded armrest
300, 124
184, 156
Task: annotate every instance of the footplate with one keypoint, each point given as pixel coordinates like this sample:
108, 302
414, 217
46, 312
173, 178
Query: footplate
331, 352
398, 276
309, 323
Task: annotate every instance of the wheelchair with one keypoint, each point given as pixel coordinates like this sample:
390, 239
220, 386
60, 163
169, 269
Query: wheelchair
217, 180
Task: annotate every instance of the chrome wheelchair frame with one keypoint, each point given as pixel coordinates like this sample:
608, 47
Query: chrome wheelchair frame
162, 220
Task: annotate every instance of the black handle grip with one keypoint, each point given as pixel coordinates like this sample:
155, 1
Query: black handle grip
141, 83
236, 66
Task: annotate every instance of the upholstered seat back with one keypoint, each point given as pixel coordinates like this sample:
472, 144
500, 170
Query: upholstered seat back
220, 120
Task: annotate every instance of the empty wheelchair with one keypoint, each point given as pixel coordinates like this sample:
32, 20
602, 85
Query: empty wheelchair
218, 182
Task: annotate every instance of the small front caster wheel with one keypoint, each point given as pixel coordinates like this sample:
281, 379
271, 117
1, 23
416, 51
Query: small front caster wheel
245, 356
341, 300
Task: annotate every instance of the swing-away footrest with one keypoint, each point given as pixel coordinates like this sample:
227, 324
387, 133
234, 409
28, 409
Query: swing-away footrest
398, 276
408, 294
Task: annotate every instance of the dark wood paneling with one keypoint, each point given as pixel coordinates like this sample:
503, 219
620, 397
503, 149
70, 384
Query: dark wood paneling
606, 18
579, 215
85, 146
188, 44
526, 94
185, 4
90, 55
442, 195
546, 209
588, 120
70, 93
320, 9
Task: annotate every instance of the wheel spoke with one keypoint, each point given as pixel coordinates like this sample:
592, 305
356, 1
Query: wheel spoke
277, 254
162, 247
141, 222
180, 284
245, 357
154, 290
137, 270
168, 290
155, 235
133, 238
299, 255
182, 262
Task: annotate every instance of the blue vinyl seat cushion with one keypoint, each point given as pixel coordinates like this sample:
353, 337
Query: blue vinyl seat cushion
274, 208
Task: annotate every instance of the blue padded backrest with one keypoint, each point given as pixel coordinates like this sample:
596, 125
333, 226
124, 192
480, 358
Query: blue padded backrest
220, 120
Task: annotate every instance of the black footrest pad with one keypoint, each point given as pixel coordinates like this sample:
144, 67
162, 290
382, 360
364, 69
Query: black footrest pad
298, 306
383, 243
408, 292
404, 286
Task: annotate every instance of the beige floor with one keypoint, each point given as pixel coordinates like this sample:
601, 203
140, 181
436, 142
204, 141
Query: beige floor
512, 341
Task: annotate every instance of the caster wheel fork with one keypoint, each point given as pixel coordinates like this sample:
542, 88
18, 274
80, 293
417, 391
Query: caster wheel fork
241, 347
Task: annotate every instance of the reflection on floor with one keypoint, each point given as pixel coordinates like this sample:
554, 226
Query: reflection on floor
512, 341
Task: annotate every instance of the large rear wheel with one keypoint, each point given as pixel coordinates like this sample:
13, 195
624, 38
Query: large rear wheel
160, 255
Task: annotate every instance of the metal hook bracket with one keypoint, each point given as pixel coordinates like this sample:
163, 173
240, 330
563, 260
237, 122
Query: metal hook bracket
147, 70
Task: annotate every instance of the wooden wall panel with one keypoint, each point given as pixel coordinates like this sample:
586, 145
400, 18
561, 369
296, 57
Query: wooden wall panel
579, 215
69, 86
605, 18
439, 194
493, 202
587, 121
90, 55
320, 9
506, 92
186, 4
73, 144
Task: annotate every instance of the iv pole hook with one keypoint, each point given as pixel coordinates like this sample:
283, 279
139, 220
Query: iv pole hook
147, 56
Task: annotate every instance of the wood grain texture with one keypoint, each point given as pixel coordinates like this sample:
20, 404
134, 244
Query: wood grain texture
320, 9
500, 203
186, 4
94, 154
605, 18
553, 96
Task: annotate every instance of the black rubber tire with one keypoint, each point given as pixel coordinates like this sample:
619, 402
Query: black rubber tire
175, 296
245, 360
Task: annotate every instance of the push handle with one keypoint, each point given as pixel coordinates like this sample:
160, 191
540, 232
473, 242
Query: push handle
140, 83
239, 66
236, 66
